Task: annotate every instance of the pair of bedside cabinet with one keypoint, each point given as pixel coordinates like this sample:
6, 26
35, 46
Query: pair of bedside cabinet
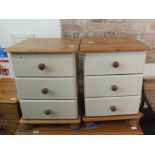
46, 77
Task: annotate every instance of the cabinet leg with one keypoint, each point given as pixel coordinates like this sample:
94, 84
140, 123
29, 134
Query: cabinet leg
134, 122
89, 124
26, 127
75, 126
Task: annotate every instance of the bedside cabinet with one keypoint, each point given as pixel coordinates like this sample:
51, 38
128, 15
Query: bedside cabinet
113, 76
45, 74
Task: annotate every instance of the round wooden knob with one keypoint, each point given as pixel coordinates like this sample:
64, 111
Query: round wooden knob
114, 88
48, 111
41, 66
113, 108
115, 64
44, 90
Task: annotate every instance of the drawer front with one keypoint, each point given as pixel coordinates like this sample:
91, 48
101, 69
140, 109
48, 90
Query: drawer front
43, 65
114, 63
46, 88
119, 85
49, 109
112, 106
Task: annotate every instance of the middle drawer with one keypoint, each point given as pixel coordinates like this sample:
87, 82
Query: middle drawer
46, 88
118, 85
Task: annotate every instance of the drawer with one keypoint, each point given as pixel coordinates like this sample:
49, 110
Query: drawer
49, 109
43, 65
112, 106
119, 85
46, 88
8, 111
114, 63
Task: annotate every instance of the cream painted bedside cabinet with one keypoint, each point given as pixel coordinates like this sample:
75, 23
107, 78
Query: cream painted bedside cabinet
113, 76
45, 74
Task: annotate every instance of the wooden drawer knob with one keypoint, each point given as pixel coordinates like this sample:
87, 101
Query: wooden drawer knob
48, 111
114, 88
41, 66
44, 90
115, 64
113, 108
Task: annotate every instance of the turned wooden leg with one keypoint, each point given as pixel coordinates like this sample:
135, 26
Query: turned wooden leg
134, 122
26, 127
89, 124
75, 126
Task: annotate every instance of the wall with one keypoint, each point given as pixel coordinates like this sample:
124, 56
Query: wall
142, 29
39, 27
24, 28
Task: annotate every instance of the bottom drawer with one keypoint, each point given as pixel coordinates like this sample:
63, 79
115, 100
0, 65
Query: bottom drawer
49, 109
112, 106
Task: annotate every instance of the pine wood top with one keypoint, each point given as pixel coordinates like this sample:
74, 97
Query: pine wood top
8, 93
45, 45
111, 45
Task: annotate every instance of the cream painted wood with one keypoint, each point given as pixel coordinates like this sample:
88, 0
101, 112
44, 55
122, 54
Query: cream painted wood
102, 106
58, 88
102, 63
60, 109
26, 65
100, 86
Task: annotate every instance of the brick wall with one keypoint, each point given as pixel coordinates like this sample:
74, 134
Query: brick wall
140, 29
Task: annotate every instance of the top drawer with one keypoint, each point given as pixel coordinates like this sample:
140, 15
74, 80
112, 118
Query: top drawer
114, 63
43, 65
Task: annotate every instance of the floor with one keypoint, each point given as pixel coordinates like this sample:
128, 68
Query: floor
147, 123
98, 128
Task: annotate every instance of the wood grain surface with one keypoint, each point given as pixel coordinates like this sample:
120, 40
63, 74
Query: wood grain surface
112, 45
9, 111
8, 93
54, 121
108, 128
45, 45
8, 127
111, 118
9, 106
